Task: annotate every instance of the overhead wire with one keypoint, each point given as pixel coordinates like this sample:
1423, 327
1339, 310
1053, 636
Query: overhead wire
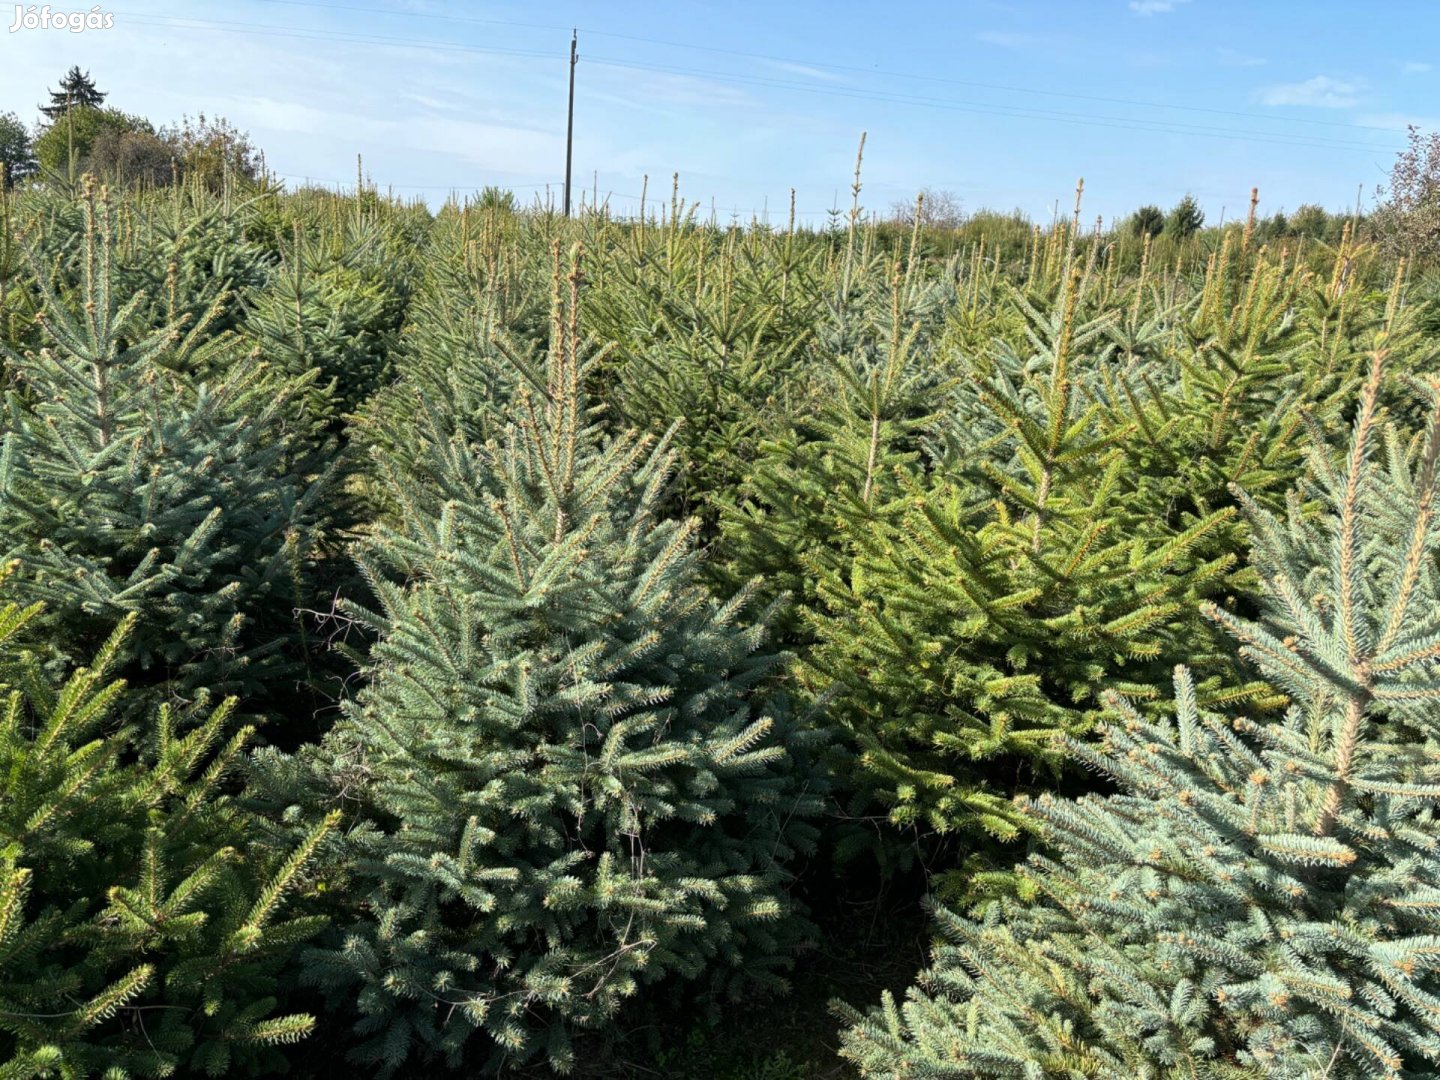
1127, 123
980, 108
984, 108
828, 65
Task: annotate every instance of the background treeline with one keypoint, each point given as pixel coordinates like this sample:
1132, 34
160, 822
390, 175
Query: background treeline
483, 641
77, 133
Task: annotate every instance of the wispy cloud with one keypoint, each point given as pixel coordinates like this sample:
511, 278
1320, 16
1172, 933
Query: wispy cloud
1236, 58
1155, 7
673, 96
1321, 92
806, 70
1399, 121
1415, 67
435, 103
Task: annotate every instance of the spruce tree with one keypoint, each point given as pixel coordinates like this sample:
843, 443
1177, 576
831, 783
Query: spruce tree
191, 254
333, 305
127, 486
837, 458
1185, 218
323, 320
980, 620
478, 299
1214, 390
17, 154
1259, 899
143, 929
1149, 220
566, 777
77, 91
705, 333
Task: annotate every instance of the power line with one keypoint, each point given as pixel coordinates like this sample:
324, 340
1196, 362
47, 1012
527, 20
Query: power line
830, 66
1070, 95
186, 22
306, 178
981, 108
1025, 112
420, 15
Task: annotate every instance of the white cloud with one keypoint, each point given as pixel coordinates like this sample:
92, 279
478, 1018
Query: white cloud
1399, 121
1236, 58
1321, 92
434, 103
1415, 67
806, 70
1155, 7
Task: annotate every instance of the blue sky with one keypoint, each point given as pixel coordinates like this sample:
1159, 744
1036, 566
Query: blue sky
1002, 102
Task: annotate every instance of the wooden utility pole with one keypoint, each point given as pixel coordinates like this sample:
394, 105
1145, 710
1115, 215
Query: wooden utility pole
570, 123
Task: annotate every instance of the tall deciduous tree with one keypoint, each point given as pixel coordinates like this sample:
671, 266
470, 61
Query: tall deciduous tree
71, 140
1408, 218
17, 152
212, 151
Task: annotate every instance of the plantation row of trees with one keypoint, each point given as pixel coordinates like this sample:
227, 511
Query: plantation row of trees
1186, 218
486, 642
80, 134
943, 210
1405, 219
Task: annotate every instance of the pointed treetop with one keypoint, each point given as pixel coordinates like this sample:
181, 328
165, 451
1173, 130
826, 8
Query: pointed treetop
77, 90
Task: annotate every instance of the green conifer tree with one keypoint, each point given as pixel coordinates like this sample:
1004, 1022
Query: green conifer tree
189, 252
327, 309
17, 154
1185, 218
142, 927
566, 779
128, 487
77, 91
1259, 899
980, 620
479, 299
706, 334
1214, 389
836, 458
1149, 220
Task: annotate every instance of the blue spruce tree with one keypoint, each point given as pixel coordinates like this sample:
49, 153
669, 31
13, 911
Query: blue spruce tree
130, 485
1259, 899
564, 777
